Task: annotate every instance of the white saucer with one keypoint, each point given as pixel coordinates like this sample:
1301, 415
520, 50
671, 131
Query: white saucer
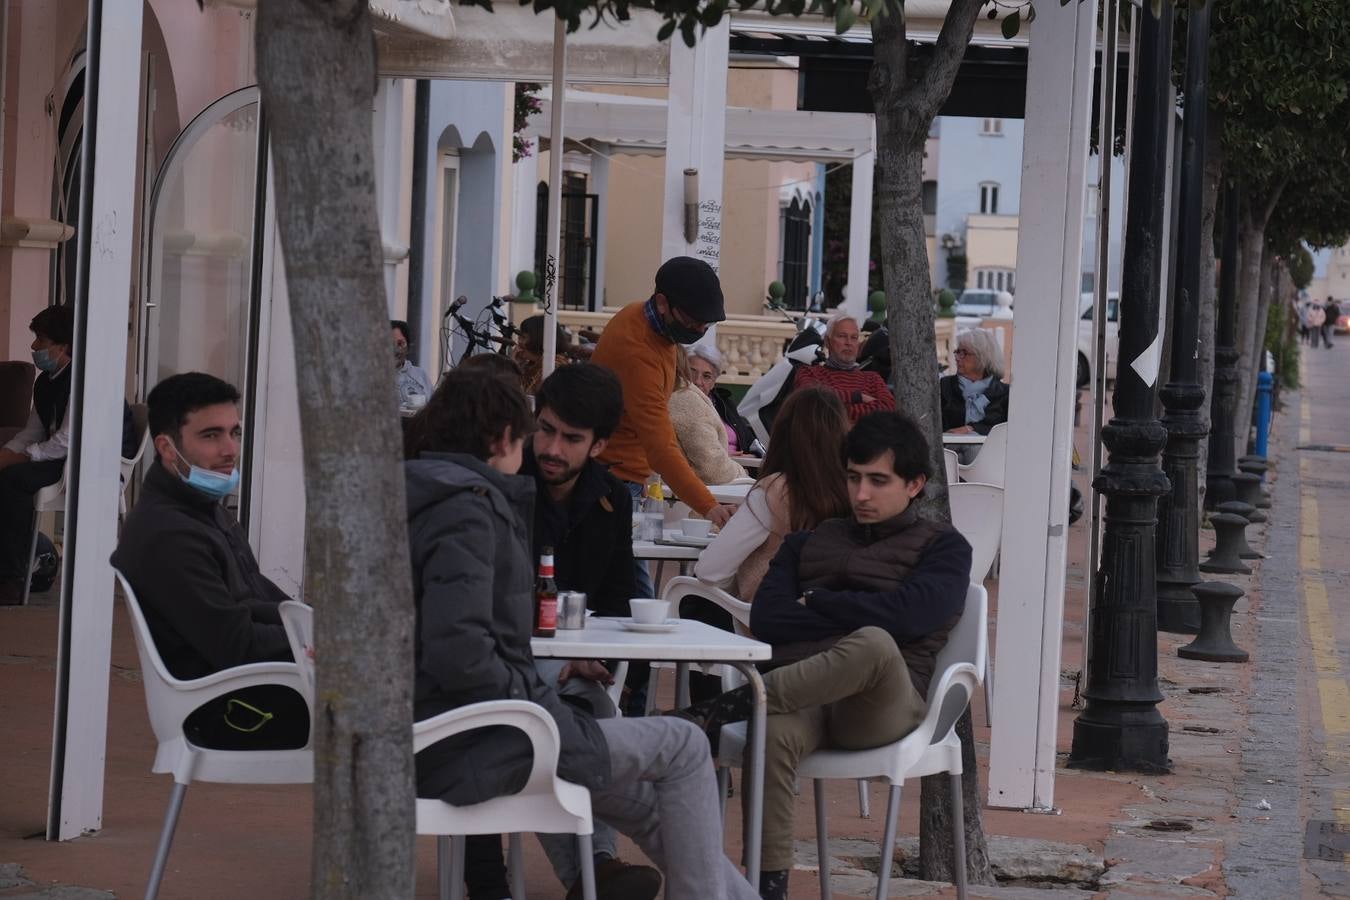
650, 628
675, 536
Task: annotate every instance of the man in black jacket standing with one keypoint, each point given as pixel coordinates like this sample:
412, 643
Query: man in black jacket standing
207, 604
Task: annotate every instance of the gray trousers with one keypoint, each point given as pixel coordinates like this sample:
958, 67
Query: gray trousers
561, 849
663, 795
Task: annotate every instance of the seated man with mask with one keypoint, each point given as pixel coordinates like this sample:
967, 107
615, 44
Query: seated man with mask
207, 604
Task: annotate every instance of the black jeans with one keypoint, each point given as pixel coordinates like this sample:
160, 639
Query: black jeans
18, 484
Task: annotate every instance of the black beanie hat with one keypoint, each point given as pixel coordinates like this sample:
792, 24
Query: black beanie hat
691, 286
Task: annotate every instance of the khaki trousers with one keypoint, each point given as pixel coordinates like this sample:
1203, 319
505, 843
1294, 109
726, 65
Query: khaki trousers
854, 696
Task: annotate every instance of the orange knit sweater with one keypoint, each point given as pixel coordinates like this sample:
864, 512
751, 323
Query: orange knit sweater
645, 440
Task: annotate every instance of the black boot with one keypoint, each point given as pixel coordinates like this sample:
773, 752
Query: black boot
711, 715
773, 885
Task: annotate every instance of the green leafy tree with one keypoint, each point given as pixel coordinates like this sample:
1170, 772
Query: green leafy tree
1280, 79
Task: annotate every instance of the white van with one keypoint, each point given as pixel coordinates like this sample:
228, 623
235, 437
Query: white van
1086, 349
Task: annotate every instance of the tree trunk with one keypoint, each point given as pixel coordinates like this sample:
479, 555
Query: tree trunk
316, 72
1253, 240
906, 103
1269, 269
1208, 299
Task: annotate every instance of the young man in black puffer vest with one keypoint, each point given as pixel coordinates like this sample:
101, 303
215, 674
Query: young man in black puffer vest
857, 612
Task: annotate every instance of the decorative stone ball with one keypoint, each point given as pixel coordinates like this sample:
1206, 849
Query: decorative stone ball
876, 303
777, 290
525, 282
946, 304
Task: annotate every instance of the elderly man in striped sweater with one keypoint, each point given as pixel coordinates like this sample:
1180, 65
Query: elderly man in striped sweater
862, 391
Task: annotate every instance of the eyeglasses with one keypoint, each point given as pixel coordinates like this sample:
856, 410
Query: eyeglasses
961, 351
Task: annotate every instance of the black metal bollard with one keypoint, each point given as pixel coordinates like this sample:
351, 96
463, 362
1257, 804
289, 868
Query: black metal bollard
1257, 466
1214, 643
1248, 487
1224, 558
1246, 511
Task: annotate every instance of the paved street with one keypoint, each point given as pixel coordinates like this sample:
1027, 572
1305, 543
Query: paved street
1305, 643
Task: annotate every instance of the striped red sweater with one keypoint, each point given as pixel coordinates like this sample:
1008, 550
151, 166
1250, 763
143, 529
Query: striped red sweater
851, 386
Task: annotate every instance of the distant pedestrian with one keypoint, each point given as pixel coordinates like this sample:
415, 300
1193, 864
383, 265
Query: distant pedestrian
1333, 312
1317, 317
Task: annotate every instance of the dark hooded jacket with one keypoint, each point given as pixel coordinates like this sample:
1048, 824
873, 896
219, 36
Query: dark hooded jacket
473, 579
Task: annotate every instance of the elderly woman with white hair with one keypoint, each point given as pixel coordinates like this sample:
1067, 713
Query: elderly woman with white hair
975, 399
705, 367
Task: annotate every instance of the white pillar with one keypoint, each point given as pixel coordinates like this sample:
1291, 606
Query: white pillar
696, 125
600, 187
106, 245
1040, 419
389, 152
860, 232
524, 216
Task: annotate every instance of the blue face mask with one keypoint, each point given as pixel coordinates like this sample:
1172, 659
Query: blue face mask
44, 360
212, 484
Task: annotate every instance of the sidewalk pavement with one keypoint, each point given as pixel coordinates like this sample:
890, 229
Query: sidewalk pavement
1227, 820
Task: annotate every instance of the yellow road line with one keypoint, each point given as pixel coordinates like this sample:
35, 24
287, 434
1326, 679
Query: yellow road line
1333, 692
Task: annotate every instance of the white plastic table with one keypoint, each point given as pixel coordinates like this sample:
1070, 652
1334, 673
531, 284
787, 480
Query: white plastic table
971, 438
749, 460
691, 642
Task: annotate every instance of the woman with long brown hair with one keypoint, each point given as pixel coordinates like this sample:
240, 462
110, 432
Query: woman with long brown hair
802, 483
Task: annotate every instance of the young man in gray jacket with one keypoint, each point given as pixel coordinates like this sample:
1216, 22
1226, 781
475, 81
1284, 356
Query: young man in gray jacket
473, 579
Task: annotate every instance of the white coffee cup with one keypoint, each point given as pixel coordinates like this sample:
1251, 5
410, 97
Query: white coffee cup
649, 611
695, 528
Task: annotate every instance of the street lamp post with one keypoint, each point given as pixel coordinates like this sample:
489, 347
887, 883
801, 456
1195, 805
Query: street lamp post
1222, 466
1178, 545
1121, 728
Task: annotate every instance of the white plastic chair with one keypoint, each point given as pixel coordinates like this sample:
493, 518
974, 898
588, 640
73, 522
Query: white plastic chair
675, 590
170, 700
546, 803
930, 749
977, 512
140, 417
731, 677
952, 462
51, 498
989, 464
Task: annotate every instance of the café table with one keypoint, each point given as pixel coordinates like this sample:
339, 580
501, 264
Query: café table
689, 642
748, 460
733, 493
971, 438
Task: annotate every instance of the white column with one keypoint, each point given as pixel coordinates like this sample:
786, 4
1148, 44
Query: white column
106, 247
525, 210
1040, 419
860, 232
600, 187
696, 124
389, 153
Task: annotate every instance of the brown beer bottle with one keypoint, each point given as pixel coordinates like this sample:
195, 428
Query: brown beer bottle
546, 597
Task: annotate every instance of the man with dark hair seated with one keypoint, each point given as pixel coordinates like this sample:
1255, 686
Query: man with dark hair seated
207, 604
584, 514
36, 456
473, 577
857, 612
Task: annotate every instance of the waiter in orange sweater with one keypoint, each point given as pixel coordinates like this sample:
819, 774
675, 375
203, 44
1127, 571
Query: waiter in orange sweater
639, 345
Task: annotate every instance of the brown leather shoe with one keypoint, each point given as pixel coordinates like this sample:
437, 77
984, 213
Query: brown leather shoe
617, 880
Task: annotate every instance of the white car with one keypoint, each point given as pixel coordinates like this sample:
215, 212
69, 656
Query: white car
1086, 350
